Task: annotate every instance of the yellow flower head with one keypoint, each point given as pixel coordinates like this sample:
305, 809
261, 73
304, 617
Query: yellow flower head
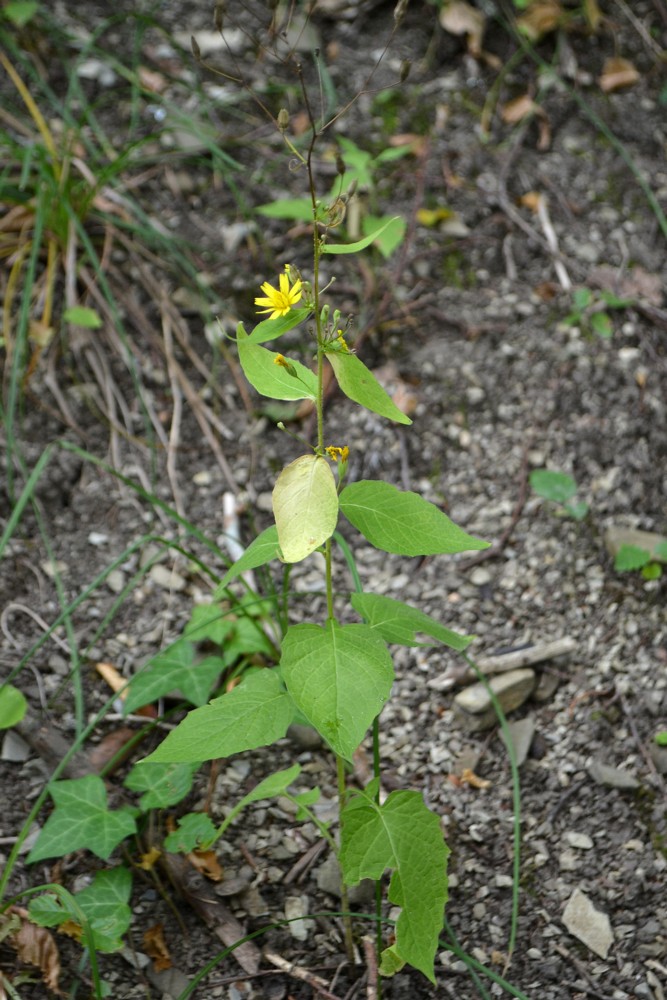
279, 301
338, 454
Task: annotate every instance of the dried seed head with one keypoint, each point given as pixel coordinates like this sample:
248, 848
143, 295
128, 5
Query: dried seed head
399, 11
218, 15
283, 119
340, 166
196, 51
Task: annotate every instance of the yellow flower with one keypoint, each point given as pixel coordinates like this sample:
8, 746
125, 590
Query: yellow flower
338, 454
279, 301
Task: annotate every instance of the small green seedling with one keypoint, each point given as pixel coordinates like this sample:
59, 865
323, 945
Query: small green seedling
590, 311
560, 488
632, 557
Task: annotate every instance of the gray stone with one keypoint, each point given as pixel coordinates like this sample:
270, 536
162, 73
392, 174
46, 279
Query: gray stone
328, 880
474, 707
659, 757
588, 925
166, 578
521, 735
613, 777
579, 840
616, 537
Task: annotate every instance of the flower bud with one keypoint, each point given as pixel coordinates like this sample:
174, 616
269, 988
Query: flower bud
283, 119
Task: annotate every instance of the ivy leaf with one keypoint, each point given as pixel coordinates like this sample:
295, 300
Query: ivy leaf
80, 820
253, 714
402, 522
305, 506
262, 550
403, 835
630, 557
164, 784
104, 905
194, 830
339, 676
269, 378
176, 667
360, 385
399, 623
208, 621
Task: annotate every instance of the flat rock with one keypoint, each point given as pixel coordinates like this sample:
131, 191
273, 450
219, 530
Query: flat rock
521, 735
616, 537
613, 777
588, 925
474, 707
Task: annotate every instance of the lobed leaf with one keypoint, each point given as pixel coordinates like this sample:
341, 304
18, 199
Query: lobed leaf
402, 835
164, 784
305, 506
399, 623
176, 668
339, 677
360, 385
81, 820
402, 522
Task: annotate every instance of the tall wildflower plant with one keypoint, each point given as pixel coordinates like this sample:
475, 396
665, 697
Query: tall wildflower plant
337, 675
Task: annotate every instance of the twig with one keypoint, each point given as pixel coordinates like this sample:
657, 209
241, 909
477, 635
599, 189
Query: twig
552, 240
176, 413
303, 975
582, 970
371, 967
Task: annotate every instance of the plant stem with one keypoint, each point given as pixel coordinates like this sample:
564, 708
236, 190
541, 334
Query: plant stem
344, 900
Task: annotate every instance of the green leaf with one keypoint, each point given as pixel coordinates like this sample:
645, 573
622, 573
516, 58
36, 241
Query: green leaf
402, 522
262, 550
270, 329
581, 299
557, 486
339, 676
360, 244
82, 316
660, 551
577, 510
194, 830
601, 324
652, 571
270, 788
391, 235
253, 714
299, 209
405, 836
360, 385
631, 557
305, 506
81, 820
19, 12
305, 799
13, 706
104, 904
399, 623
390, 962
176, 668
661, 738
164, 784
270, 379
208, 621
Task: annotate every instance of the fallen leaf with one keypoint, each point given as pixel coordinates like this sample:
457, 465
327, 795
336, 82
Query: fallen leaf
523, 107
531, 200
592, 13
540, 18
207, 863
470, 778
155, 947
459, 18
36, 946
616, 74
115, 746
635, 283
149, 859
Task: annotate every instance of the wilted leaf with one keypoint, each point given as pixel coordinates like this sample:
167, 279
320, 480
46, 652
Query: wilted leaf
616, 74
541, 17
459, 18
155, 947
36, 946
206, 862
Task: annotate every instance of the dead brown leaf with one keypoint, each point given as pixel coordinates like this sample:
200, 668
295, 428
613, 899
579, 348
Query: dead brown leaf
459, 18
520, 108
616, 74
207, 863
155, 947
36, 946
540, 18
149, 859
470, 778
115, 746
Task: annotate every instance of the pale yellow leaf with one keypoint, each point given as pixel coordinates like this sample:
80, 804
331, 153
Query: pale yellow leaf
305, 506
